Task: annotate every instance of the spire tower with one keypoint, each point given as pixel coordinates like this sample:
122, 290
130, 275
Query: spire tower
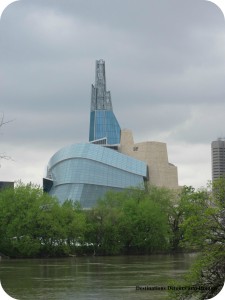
104, 127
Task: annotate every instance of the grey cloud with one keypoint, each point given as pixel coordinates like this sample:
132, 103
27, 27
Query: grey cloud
46, 129
204, 125
164, 68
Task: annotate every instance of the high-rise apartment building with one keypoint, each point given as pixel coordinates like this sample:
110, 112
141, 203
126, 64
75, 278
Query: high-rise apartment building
218, 158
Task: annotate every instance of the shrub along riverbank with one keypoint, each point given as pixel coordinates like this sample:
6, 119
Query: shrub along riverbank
140, 221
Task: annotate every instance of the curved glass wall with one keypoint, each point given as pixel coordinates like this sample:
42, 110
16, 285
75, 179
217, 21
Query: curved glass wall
85, 172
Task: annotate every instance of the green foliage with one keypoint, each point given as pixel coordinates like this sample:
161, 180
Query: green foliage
103, 225
194, 210
145, 225
218, 190
129, 222
16, 219
135, 221
74, 224
204, 228
205, 279
32, 223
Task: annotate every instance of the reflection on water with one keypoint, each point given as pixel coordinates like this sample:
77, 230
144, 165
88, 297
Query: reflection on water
87, 278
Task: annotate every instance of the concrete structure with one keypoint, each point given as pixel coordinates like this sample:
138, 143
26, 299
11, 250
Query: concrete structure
160, 172
110, 161
218, 158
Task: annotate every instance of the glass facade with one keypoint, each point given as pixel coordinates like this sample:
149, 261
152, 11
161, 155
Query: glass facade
218, 158
103, 123
85, 172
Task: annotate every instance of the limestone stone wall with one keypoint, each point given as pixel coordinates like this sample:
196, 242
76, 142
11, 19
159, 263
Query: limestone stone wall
161, 172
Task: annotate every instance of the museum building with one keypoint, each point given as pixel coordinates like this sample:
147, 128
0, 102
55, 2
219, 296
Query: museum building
110, 161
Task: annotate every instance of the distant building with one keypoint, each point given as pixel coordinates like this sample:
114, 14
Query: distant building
110, 161
6, 184
218, 158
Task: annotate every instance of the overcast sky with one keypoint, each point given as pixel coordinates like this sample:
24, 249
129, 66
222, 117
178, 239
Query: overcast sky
165, 68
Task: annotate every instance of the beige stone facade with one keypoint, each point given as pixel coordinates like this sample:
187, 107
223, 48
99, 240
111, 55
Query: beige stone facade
160, 172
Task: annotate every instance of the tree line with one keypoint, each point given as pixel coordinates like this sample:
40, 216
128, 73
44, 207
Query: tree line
135, 221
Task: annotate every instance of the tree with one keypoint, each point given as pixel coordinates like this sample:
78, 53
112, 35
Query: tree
30, 222
204, 228
75, 224
144, 224
189, 206
2, 123
132, 221
103, 223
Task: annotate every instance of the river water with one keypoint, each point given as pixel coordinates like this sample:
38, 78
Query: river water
85, 278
